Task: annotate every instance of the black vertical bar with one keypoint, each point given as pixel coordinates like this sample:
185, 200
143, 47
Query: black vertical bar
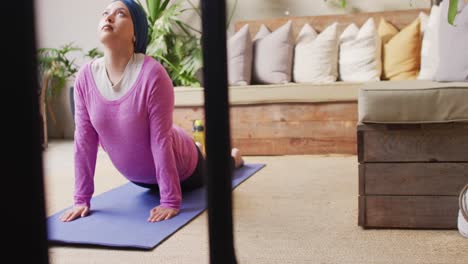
218, 145
23, 210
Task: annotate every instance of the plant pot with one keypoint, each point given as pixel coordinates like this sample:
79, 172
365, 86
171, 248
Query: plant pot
72, 102
43, 117
42, 110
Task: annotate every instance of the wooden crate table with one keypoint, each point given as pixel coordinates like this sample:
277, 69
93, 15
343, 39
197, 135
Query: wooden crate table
410, 175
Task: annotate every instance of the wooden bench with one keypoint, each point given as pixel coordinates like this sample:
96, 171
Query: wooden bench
410, 175
280, 128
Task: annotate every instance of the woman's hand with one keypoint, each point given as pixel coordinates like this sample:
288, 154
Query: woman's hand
74, 213
162, 213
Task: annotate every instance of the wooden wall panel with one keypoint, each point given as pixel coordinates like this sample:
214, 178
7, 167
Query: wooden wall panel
280, 129
400, 19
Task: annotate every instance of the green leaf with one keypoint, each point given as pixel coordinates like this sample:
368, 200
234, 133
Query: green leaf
164, 5
452, 11
337, 3
153, 8
232, 14
56, 62
185, 28
343, 4
182, 27
94, 53
195, 8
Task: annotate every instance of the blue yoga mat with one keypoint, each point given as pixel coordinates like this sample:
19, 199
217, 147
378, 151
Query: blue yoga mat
119, 217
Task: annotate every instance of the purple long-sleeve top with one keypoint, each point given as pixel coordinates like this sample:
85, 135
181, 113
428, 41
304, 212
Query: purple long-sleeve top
136, 131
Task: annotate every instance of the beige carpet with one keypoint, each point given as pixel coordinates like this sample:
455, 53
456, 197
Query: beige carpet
298, 209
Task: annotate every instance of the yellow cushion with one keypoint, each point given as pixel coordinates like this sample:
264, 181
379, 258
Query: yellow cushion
401, 51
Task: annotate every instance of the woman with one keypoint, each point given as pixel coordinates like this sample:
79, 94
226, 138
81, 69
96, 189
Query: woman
124, 102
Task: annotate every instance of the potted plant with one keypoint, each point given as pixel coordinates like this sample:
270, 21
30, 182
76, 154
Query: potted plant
173, 42
55, 67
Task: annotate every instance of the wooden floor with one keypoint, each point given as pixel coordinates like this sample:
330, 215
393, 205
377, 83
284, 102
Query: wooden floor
287, 129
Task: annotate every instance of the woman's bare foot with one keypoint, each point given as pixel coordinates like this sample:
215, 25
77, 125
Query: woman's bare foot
239, 161
200, 147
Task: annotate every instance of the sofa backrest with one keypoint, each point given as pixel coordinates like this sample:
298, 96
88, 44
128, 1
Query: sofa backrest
399, 18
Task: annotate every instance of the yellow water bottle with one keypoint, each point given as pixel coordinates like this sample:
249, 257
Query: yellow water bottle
199, 134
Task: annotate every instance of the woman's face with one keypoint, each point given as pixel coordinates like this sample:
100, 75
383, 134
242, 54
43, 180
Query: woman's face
116, 26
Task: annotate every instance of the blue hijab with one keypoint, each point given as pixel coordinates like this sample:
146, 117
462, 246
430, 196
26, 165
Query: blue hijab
140, 25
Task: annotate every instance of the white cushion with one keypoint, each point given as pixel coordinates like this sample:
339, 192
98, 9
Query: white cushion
452, 65
240, 57
424, 18
316, 56
430, 46
360, 53
272, 62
